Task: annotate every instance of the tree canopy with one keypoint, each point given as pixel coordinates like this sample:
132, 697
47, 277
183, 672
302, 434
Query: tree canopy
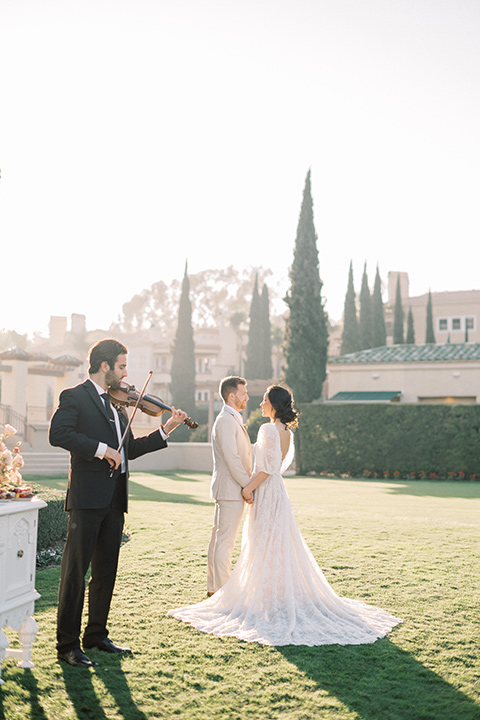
379, 338
410, 328
253, 363
430, 333
258, 363
216, 295
366, 319
306, 333
350, 340
398, 317
183, 356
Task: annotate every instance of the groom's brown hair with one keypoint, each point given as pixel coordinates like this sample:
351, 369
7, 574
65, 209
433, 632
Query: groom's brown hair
229, 385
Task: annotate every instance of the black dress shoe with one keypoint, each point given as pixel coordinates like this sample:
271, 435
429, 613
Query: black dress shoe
76, 658
108, 646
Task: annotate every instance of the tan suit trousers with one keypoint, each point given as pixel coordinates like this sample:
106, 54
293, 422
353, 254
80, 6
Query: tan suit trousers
226, 521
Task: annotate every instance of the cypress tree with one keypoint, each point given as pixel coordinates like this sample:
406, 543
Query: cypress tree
350, 340
366, 319
253, 364
430, 335
398, 317
410, 328
183, 357
306, 334
267, 367
378, 314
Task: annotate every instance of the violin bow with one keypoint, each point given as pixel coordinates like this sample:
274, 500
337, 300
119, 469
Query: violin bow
129, 424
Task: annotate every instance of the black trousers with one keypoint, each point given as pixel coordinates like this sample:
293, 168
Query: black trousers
93, 538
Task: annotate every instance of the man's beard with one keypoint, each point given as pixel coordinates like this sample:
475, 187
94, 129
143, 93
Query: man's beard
111, 380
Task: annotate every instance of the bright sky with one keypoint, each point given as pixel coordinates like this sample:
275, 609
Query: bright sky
136, 134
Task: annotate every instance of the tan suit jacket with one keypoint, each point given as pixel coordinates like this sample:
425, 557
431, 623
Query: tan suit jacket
232, 456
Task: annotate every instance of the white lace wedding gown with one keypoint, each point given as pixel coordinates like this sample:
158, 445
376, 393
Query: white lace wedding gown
277, 594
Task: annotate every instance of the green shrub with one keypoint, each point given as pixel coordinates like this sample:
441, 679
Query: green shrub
199, 435
424, 441
185, 434
253, 405
52, 519
254, 421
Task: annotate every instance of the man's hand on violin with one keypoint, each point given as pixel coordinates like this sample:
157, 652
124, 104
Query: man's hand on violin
113, 457
177, 418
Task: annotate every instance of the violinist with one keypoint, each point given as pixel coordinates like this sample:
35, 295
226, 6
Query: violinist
100, 442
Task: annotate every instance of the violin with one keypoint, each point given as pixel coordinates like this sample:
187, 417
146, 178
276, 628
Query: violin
126, 395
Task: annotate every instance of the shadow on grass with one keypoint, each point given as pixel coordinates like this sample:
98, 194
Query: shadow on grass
438, 488
142, 492
60, 482
26, 680
180, 476
79, 687
381, 682
84, 698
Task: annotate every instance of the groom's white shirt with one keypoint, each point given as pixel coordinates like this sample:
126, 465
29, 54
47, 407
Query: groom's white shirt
232, 456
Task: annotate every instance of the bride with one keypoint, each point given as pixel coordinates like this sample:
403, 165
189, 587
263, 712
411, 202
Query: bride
277, 594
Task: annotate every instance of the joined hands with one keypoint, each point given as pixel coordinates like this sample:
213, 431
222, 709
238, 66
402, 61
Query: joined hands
247, 496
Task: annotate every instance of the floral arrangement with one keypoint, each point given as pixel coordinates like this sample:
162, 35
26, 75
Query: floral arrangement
10, 463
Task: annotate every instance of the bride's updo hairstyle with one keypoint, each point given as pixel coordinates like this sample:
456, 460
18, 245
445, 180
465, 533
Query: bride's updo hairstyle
281, 400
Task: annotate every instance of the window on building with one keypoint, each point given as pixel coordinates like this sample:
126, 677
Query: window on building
470, 323
162, 363
443, 324
202, 396
203, 365
456, 323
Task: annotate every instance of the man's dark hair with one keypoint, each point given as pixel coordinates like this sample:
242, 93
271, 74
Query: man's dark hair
229, 385
108, 350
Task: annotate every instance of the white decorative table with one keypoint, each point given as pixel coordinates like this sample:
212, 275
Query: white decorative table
18, 550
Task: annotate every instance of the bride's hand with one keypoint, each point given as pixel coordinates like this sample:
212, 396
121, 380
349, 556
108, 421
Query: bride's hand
247, 496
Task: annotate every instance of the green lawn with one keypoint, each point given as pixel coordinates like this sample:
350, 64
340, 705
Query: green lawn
412, 548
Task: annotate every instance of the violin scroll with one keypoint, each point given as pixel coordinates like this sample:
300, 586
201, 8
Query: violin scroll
190, 423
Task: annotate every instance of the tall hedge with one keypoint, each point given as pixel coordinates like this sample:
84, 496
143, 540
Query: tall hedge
393, 440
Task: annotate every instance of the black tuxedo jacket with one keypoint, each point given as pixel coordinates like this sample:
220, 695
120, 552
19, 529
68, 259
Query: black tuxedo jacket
78, 424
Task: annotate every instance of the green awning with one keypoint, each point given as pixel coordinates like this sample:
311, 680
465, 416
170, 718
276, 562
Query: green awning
372, 397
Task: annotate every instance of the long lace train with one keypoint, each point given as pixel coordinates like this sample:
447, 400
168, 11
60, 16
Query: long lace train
277, 593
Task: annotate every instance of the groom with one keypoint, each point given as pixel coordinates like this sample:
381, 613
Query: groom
232, 465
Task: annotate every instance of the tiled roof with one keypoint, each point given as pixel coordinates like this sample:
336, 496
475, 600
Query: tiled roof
67, 360
14, 353
366, 396
447, 352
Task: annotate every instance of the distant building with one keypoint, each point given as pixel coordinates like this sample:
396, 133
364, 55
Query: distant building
455, 313
448, 373
31, 382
